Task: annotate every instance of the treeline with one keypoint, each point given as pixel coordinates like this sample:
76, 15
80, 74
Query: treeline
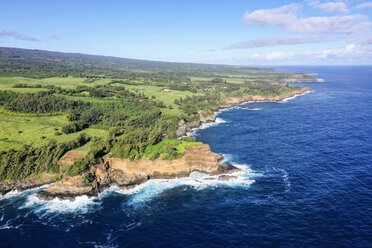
19, 164
264, 87
21, 85
191, 106
41, 64
133, 143
41, 102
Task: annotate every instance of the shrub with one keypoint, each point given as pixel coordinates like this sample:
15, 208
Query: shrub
88, 178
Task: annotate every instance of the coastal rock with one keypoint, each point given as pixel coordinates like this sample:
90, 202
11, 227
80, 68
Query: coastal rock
126, 173
220, 157
258, 98
127, 179
226, 178
192, 125
67, 189
227, 168
182, 128
206, 119
28, 183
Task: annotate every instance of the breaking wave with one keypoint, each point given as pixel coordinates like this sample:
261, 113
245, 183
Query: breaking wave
81, 204
197, 181
293, 97
206, 125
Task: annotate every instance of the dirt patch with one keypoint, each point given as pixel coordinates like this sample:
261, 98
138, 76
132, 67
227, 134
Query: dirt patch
70, 157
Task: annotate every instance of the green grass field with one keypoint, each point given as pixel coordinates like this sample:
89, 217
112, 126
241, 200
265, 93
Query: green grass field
17, 129
167, 97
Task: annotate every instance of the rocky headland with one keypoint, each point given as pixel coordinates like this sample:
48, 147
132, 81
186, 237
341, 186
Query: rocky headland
186, 127
124, 173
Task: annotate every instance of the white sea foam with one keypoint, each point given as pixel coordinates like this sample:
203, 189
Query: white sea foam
252, 109
227, 158
10, 194
8, 225
80, 204
196, 180
206, 125
293, 97
285, 177
211, 124
223, 110
140, 193
320, 80
15, 193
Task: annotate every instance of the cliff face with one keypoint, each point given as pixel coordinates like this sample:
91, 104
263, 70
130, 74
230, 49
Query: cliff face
237, 100
126, 173
184, 127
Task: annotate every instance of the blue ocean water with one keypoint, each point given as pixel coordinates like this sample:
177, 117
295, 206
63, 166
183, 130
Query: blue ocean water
307, 183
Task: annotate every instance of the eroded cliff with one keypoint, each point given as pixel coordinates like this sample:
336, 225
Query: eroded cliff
126, 173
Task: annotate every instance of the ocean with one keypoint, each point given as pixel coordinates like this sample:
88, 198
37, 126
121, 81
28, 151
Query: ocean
306, 182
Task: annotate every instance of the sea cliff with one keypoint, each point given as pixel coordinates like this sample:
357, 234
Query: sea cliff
186, 127
125, 173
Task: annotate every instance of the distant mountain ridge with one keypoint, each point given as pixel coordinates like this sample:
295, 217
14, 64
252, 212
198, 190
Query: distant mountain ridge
26, 61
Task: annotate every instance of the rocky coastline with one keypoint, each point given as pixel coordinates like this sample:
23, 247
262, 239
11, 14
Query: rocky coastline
25, 184
187, 127
124, 173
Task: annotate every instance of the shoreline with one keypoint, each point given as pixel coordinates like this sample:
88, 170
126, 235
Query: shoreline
231, 103
278, 99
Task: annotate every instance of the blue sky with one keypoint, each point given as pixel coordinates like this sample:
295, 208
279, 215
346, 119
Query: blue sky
222, 32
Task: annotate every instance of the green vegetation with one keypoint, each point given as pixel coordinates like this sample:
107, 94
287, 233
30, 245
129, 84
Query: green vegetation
52, 102
170, 148
19, 164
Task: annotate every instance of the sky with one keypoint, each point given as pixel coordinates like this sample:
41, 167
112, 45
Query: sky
246, 32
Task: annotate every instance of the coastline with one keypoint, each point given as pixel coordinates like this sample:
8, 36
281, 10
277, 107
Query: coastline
234, 102
73, 187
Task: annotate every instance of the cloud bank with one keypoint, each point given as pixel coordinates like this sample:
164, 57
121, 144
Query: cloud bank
287, 17
278, 41
335, 7
364, 5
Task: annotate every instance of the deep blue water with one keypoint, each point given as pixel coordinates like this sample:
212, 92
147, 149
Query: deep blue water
310, 159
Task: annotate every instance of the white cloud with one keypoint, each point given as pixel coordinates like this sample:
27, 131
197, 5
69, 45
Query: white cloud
279, 56
336, 7
364, 5
349, 51
281, 16
278, 41
287, 17
18, 36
